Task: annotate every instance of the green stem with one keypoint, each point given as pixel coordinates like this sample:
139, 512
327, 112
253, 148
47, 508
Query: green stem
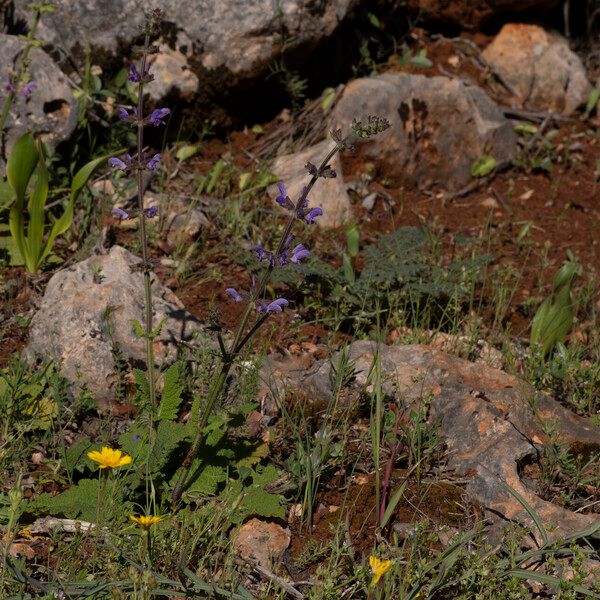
239, 341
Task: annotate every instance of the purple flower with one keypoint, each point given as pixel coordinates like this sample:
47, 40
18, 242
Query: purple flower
276, 306
312, 214
28, 88
298, 253
134, 75
234, 295
136, 437
123, 114
117, 162
283, 258
10, 87
153, 162
151, 212
119, 213
282, 198
123, 165
157, 116
260, 252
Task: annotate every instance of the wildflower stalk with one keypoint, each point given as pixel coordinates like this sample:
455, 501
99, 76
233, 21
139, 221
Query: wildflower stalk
242, 336
143, 237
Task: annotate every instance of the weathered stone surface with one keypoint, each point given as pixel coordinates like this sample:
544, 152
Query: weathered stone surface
471, 14
87, 313
230, 39
262, 542
439, 126
50, 110
540, 66
330, 194
490, 420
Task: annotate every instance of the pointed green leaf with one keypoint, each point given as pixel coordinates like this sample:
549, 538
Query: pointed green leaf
37, 219
21, 164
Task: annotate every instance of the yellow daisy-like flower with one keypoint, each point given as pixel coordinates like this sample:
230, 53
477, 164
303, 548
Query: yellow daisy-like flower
378, 568
145, 522
108, 457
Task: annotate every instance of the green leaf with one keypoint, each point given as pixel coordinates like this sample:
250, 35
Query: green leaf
7, 195
21, 164
171, 394
138, 329
483, 166
37, 219
327, 98
591, 103
525, 129
421, 61
186, 151
244, 180
352, 232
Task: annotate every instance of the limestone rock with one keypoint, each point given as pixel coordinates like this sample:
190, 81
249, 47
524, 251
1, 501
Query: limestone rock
229, 40
50, 110
86, 319
489, 420
330, 194
439, 126
540, 65
262, 542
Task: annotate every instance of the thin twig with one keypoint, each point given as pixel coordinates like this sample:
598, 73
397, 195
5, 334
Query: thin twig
280, 581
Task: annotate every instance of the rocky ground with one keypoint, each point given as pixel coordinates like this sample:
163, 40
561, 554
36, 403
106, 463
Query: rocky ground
477, 428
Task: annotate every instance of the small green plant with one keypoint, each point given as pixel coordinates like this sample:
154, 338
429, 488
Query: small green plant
31, 234
538, 151
554, 318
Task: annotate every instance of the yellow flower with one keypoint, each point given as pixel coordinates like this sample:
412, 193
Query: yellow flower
145, 522
109, 458
378, 568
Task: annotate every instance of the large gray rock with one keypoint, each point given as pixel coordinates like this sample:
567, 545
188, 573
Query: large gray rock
541, 67
439, 126
50, 110
228, 40
490, 421
328, 193
86, 317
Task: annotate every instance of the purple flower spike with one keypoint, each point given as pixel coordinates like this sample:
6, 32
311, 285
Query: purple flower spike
28, 88
312, 214
117, 162
281, 199
283, 258
277, 305
298, 253
134, 75
151, 212
153, 162
234, 295
119, 213
157, 116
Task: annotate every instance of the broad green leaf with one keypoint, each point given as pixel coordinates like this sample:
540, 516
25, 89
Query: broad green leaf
565, 275
352, 232
171, 394
327, 97
7, 195
21, 164
37, 218
244, 180
483, 166
591, 103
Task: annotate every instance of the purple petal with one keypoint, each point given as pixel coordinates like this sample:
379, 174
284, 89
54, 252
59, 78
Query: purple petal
261, 307
234, 295
153, 162
300, 252
157, 116
119, 213
312, 214
260, 252
151, 212
283, 258
123, 114
281, 199
117, 162
134, 75
277, 305
28, 88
